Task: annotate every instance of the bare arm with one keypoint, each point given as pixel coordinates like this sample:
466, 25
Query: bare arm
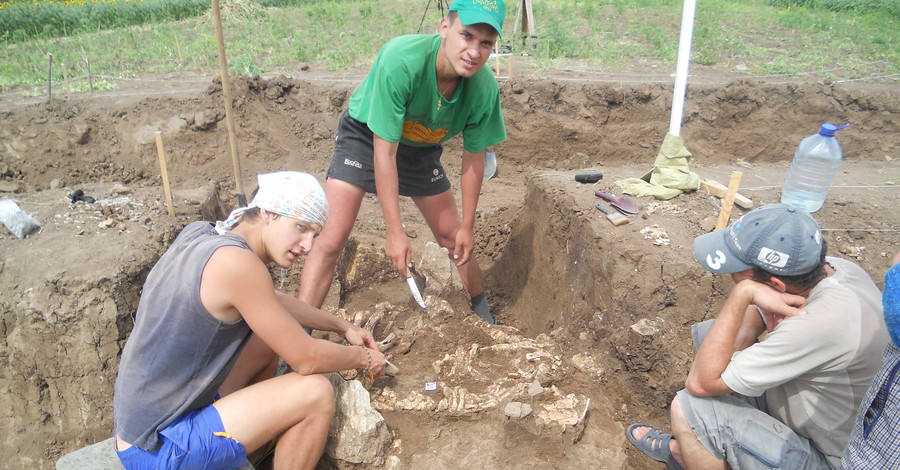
236, 284
714, 355
471, 179
751, 327
311, 317
387, 184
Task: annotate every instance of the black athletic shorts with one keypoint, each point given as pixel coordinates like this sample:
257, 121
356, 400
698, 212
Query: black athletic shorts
418, 168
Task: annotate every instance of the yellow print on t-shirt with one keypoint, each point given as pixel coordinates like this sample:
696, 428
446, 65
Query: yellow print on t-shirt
415, 132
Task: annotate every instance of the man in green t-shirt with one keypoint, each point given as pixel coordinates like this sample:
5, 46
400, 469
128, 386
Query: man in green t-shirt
421, 91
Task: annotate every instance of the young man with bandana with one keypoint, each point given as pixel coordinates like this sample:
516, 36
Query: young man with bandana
789, 400
210, 324
874, 444
421, 91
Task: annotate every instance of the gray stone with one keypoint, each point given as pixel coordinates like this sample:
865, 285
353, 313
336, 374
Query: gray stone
176, 124
118, 189
517, 410
440, 273
82, 134
205, 120
8, 187
535, 388
645, 327
358, 433
146, 134
100, 456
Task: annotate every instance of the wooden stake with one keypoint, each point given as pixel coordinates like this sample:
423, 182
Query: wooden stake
177, 46
65, 73
226, 90
728, 202
88, 65
49, 75
90, 78
165, 173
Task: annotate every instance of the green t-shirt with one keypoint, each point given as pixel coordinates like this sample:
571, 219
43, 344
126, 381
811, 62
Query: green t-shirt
399, 100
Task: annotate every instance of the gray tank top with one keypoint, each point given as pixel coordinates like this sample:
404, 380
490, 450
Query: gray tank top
178, 354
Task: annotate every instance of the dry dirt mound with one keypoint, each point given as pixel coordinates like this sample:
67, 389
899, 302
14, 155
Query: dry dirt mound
597, 315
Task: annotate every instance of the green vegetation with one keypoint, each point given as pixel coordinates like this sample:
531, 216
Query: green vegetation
836, 39
891, 7
24, 20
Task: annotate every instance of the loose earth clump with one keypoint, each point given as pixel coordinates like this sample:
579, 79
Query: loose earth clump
596, 317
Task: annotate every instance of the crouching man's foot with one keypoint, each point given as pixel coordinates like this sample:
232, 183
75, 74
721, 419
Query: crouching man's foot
653, 443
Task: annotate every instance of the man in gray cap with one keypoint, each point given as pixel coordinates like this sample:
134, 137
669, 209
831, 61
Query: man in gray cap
790, 399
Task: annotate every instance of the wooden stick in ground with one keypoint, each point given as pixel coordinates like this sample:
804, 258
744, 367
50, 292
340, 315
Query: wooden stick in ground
49, 75
65, 73
728, 202
226, 90
90, 78
177, 46
165, 173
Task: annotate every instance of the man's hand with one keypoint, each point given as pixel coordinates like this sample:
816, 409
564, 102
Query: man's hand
397, 248
359, 336
770, 299
465, 245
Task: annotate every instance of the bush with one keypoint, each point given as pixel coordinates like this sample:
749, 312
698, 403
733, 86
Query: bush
891, 7
21, 21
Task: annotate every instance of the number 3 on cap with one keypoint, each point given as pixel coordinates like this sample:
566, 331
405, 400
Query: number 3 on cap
717, 262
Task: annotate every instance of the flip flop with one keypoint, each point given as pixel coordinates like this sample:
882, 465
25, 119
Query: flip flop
654, 444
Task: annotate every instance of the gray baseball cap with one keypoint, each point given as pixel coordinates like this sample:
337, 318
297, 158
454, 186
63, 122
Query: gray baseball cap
778, 238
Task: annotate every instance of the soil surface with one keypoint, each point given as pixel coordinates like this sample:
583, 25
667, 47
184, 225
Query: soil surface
596, 317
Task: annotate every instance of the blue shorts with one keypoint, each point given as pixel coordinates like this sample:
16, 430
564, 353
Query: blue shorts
419, 169
189, 443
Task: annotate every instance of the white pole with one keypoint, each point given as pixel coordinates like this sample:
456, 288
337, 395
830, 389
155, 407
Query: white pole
681, 68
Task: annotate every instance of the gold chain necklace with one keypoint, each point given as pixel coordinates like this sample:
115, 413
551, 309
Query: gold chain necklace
441, 94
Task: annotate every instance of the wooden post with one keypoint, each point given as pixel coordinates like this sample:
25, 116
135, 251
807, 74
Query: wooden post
226, 90
90, 78
65, 73
728, 202
49, 77
165, 173
87, 62
525, 19
177, 46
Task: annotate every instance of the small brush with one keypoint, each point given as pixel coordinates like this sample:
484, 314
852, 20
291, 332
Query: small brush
615, 217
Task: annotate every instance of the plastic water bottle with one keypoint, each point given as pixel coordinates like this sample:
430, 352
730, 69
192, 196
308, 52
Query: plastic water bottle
813, 168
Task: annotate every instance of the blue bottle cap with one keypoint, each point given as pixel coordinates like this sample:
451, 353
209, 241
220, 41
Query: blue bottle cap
828, 129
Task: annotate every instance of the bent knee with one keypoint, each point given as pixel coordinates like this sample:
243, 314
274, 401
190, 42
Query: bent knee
330, 244
317, 389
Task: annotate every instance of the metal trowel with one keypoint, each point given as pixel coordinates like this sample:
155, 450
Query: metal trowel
622, 203
416, 283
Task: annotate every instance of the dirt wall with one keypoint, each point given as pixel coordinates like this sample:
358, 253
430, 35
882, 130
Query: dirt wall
553, 265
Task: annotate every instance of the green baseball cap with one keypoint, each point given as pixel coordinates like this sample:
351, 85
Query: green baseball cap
490, 12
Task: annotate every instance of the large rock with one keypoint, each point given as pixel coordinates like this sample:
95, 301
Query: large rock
100, 456
358, 433
442, 277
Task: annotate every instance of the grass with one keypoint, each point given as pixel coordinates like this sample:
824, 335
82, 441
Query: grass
835, 39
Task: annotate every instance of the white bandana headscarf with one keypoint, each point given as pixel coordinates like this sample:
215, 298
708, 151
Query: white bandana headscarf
288, 194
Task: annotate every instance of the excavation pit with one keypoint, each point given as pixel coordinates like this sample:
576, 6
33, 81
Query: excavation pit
596, 316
